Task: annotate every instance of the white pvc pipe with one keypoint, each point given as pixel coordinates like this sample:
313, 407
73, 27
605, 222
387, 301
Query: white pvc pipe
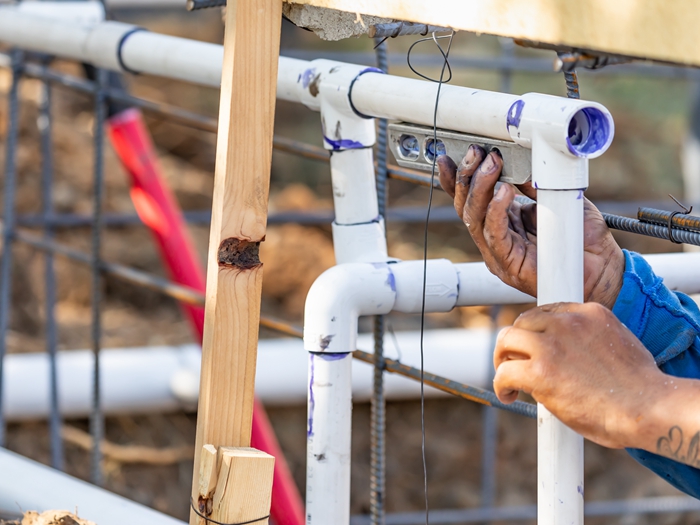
328, 432
461, 109
164, 379
147, 381
27, 485
559, 278
354, 186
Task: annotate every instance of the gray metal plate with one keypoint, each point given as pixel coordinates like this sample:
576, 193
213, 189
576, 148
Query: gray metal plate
517, 161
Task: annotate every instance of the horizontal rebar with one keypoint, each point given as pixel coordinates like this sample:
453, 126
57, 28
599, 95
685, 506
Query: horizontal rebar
655, 505
661, 217
394, 29
651, 230
193, 5
130, 275
477, 395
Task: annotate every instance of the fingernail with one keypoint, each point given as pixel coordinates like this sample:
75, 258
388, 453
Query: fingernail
488, 164
471, 154
497, 152
500, 193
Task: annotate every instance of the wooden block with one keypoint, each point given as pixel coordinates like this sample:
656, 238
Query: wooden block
239, 218
235, 485
653, 29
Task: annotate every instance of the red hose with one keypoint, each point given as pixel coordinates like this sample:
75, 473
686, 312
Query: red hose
158, 209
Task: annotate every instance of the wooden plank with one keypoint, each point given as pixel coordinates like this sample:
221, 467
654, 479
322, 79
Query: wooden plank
654, 29
239, 217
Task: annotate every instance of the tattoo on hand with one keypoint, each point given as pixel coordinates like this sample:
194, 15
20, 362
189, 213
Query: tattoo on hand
672, 446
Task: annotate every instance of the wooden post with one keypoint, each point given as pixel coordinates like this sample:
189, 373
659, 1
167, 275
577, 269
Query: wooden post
239, 218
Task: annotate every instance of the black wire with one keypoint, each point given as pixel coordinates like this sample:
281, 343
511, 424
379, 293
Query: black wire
440, 82
444, 56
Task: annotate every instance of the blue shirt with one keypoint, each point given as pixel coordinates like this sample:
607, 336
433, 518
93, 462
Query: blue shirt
668, 323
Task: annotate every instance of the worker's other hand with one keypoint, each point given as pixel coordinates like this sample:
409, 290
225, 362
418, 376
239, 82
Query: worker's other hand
584, 366
505, 231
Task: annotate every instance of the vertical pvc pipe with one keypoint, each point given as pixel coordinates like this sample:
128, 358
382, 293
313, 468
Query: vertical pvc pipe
328, 431
559, 278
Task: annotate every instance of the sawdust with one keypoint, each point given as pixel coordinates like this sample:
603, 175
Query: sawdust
49, 517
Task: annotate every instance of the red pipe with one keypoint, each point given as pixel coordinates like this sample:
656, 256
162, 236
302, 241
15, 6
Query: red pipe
158, 209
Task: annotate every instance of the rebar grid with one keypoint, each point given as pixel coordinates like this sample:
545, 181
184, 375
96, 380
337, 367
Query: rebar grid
181, 293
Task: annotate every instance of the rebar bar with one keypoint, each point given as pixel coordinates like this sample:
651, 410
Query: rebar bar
395, 29
654, 505
9, 217
472, 393
572, 87
682, 221
44, 123
97, 417
377, 482
193, 5
489, 433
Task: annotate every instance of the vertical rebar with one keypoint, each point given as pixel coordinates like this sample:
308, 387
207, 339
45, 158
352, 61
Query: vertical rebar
45, 128
489, 419
9, 217
572, 89
507, 54
378, 408
489, 435
96, 416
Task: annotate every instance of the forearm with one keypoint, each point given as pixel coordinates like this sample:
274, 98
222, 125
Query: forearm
670, 426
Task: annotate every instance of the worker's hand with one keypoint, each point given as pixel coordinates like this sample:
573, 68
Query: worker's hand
586, 368
505, 231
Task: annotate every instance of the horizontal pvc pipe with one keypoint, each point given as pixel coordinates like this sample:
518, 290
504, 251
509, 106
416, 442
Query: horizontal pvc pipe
132, 381
165, 379
27, 485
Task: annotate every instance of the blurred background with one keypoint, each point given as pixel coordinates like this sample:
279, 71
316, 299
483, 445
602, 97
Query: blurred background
651, 107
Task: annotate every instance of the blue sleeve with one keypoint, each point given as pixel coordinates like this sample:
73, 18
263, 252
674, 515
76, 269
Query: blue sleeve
668, 324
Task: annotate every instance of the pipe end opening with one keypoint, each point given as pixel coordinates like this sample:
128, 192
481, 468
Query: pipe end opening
590, 133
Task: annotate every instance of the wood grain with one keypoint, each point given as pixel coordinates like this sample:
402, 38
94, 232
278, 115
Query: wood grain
653, 29
239, 217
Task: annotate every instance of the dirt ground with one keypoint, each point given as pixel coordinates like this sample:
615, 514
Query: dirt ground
294, 256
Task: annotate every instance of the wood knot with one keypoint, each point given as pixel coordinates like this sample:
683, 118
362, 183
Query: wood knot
239, 253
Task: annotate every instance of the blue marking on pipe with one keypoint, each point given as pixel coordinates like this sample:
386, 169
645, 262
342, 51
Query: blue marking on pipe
312, 401
332, 356
515, 114
391, 281
307, 76
342, 144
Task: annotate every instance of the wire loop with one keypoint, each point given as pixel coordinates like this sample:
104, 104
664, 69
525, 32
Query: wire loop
209, 520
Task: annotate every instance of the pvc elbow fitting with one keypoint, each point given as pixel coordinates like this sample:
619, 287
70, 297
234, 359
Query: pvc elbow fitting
577, 128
